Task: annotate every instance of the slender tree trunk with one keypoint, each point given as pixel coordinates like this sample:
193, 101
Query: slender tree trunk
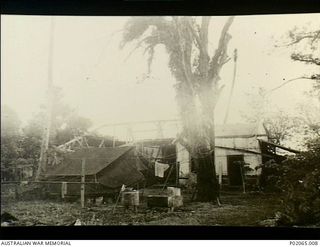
46, 135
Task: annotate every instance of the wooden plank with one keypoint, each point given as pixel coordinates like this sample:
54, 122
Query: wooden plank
281, 147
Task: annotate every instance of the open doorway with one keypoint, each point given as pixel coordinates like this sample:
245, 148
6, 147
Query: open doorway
234, 169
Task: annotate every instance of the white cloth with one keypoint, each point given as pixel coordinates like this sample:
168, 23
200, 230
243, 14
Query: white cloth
123, 188
64, 189
160, 168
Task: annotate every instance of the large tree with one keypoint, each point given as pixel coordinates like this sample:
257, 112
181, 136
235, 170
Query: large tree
197, 75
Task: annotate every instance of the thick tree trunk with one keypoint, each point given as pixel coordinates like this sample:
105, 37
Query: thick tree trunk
198, 129
207, 189
208, 185
199, 121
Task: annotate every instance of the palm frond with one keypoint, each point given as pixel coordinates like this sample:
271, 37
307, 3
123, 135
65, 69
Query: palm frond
137, 26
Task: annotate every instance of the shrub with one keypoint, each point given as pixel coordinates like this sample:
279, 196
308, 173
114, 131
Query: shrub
299, 179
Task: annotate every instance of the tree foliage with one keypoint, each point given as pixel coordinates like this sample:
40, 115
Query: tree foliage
298, 178
10, 134
21, 146
280, 126
306, 45
197, 75
66, 123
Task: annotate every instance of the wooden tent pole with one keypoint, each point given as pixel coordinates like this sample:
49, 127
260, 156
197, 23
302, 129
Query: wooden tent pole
82, 191
118, 198
167, 179
177, 173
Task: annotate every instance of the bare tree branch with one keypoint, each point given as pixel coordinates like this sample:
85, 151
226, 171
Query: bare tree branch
219, 57
285, 83
297, 38
307, 58
186, 70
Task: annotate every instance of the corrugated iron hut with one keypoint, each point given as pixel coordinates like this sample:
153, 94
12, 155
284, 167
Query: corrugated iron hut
234, 143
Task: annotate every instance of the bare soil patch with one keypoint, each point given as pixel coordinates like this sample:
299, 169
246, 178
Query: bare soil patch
237, 210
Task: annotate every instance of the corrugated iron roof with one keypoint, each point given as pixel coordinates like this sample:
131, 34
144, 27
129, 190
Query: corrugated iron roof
96, 160
221, 131
239, 130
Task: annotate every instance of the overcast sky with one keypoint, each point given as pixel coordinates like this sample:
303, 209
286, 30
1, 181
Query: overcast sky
102, 84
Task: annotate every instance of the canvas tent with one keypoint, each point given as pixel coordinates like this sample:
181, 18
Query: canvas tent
106, 169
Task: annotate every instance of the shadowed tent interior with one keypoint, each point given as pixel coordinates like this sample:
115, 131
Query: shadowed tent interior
106, 169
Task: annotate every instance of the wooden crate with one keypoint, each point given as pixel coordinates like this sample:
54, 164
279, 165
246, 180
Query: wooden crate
130, 198
174, 191
164, 201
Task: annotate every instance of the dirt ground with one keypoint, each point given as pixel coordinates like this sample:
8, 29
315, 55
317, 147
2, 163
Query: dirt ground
237, 209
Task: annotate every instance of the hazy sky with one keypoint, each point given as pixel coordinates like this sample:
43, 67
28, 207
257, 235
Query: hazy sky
102, 84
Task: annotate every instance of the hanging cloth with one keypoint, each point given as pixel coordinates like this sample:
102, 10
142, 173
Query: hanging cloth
64, 189
160, 168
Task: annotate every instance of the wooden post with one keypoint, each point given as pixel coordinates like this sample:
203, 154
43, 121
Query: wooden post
137, 164
118, 198
243, 178
114, 138
167, 179
220, 175
82, 191
177, 173
62, 190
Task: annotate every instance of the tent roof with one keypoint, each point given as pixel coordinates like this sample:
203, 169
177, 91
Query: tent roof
96, 160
